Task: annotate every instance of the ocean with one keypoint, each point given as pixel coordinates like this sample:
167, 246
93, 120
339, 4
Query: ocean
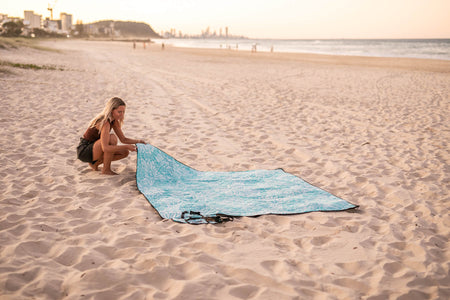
412, 48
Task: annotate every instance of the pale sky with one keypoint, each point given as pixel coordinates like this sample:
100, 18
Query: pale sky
295, 19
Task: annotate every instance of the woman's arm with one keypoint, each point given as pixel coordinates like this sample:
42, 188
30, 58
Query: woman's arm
123, 138
105, 140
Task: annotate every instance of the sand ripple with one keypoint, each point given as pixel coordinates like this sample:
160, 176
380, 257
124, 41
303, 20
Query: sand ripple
372, 131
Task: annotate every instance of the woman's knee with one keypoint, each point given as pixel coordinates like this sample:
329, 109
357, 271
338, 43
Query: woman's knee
112, 139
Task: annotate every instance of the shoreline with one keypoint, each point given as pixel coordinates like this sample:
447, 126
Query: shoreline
371, 131
420, 64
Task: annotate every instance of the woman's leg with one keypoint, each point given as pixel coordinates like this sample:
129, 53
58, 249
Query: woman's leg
108, 157
97, 155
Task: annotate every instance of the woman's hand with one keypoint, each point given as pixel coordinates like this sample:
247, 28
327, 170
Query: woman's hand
141, 142
131, 148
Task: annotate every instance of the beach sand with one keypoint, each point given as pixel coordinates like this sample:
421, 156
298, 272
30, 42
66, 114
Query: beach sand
373, 131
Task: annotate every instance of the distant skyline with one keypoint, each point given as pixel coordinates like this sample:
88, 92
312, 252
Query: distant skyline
278, 19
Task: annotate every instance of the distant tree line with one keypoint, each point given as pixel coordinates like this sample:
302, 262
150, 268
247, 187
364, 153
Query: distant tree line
12, 29
16, 29
103, 28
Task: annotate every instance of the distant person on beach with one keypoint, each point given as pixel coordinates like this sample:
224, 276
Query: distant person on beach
98, 145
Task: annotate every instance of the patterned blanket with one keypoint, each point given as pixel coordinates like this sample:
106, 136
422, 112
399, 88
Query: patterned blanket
183, 194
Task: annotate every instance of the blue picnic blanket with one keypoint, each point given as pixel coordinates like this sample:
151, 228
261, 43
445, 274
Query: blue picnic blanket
183, 194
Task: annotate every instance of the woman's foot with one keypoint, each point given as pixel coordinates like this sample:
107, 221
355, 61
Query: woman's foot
94, 166
109, 172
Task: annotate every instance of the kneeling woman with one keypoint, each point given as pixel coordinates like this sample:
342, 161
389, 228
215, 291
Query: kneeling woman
98, 145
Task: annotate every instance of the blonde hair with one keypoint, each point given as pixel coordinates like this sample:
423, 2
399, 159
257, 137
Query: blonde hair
106, 114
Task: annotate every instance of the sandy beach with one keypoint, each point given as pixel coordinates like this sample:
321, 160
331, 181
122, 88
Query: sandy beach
373, 131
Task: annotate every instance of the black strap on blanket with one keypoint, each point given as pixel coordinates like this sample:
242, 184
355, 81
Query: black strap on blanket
195, 217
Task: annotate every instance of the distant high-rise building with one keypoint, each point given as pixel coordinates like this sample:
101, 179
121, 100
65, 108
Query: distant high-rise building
66, 22
31, 19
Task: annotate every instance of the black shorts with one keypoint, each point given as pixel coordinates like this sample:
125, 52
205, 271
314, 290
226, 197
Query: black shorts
84, 151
